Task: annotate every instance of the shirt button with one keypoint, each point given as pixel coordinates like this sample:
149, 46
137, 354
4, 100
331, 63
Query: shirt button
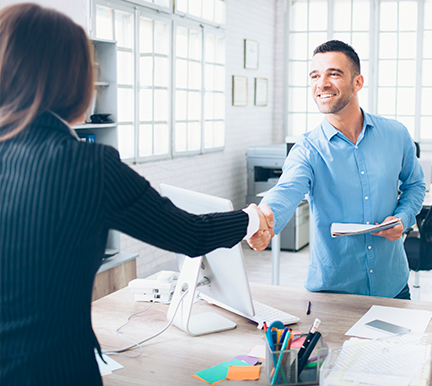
366, 197
362, 172
369, 247
367, 222
371, 271
356, 147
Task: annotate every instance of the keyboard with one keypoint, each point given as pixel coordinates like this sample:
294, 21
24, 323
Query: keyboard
264, 313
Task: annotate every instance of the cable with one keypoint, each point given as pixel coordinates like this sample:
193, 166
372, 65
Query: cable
120, 351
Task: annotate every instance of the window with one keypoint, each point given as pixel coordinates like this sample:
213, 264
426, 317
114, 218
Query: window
168, 104
395, 51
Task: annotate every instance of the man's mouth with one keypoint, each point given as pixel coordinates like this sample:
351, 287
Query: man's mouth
325, 96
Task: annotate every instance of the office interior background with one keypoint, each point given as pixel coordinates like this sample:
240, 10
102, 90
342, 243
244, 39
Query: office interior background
176, 119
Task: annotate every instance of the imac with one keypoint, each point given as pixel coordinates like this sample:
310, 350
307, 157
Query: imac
218, 277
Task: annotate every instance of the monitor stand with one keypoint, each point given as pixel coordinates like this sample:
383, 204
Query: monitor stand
206, 323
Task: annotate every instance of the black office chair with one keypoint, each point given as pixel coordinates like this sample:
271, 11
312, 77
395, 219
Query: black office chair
419, 249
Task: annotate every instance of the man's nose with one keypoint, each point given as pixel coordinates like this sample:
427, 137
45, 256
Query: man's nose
323, 82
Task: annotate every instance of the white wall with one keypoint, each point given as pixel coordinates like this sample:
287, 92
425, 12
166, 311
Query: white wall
222, 173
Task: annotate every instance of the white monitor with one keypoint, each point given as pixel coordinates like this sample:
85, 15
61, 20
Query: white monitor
223, 267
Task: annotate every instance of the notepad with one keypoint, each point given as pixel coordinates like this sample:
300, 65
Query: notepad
344, 229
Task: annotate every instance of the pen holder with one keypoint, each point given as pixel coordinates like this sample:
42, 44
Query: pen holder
282, 366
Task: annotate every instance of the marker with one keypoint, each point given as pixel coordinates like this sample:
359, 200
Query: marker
309, 337
265, 326
308, 308
279, 362
303, 360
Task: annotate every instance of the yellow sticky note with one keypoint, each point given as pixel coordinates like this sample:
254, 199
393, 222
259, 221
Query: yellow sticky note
243, 373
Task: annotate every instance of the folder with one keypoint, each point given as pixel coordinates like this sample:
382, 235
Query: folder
344, 229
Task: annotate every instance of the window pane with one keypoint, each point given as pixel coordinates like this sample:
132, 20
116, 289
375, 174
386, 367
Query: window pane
386, 101
298, 74
427, 44
388, 46
180, 137
161, 38
208, 10
220, 50
364, 68
313, 121
181, 104
387, 73
407, 45
360, 42
220, 11
195, 48
104, 28
426, 108
195, 7
408, 16
194, 136
194, 75
125, 104
209, 77
388, 16
428, 14
194, 106
146, 71
297, 99
209, 106
317, 15
298, 48
219, 78
181, 73
299, 16
342, 15
426, 128
364, 98
427, 73
409, 123
161, 72
164, 3
124, 29
160, 105
146, 105
210, 48
297, 124
146, 36
125, 68
182, 42
343, 37
407, 73
161, 139
219, 133
361, 15
126, 141
311, 105
208, 134
405, 101
315, 39
181, 5
145, 140
219, 112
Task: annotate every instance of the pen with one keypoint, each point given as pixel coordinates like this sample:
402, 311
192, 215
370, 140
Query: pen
308, 308
303, 360
309, 337
265, 326
282, 337
279, 362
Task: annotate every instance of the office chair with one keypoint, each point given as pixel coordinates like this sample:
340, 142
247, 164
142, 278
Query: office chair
419, 249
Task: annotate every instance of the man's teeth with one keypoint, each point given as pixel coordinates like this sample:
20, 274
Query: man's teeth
326, 95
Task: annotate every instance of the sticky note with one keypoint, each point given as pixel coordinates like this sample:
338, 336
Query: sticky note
246, 358
298, 342
244, 373
212, 375
234, 362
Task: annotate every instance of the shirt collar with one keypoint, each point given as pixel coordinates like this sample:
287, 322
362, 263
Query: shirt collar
71, 131
330, 131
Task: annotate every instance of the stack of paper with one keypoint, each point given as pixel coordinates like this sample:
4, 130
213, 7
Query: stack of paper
343, 229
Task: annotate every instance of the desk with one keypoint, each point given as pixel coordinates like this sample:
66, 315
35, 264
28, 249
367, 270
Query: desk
172, 358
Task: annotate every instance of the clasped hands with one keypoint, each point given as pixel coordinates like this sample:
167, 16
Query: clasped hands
262, 237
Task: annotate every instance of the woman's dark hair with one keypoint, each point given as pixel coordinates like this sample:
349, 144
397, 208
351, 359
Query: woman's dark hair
45, 65
338, 46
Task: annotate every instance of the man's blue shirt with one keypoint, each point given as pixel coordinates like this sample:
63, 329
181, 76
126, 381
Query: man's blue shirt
353, 183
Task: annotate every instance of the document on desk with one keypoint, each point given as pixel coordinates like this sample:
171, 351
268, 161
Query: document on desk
108, 367
415, 320
344, 229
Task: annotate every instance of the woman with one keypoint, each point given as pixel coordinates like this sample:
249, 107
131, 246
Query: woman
58, 199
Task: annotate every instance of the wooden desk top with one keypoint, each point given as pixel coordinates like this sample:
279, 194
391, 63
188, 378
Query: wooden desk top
172, 358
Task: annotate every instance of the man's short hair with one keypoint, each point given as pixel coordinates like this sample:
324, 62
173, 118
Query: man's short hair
338, 46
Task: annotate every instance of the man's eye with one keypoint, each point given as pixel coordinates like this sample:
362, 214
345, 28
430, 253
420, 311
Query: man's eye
334, 74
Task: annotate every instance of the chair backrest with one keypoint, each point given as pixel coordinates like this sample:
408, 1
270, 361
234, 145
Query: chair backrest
426, 242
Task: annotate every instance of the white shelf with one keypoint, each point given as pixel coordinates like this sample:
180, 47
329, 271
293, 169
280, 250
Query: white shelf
102, 84
95, 126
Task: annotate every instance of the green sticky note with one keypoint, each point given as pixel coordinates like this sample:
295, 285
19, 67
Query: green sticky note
213, 374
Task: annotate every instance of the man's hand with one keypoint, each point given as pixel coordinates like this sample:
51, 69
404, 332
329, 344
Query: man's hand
261, 239
391, 234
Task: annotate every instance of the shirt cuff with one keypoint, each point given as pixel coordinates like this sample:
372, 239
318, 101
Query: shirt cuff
254, 222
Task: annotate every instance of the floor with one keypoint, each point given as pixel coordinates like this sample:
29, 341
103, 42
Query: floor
294, 265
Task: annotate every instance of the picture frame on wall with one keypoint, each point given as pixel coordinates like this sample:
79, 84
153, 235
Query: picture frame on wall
261, 92
239, 90
251, 54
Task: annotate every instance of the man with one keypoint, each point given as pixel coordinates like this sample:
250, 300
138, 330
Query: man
351, 169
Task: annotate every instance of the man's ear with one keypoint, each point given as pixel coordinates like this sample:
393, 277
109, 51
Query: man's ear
358, 83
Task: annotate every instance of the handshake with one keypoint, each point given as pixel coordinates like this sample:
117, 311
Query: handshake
262, 237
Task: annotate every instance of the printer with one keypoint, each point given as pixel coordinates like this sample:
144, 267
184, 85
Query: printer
264, 167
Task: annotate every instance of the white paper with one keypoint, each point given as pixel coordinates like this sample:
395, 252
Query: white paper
343, 229
415, 320
108, 367
258, 351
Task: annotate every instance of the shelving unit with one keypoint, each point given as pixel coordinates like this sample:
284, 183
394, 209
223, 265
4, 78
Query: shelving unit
105, 59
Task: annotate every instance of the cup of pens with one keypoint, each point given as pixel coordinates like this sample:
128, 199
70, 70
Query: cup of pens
286, 365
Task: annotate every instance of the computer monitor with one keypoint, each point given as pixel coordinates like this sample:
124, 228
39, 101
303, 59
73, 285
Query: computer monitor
224, 268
